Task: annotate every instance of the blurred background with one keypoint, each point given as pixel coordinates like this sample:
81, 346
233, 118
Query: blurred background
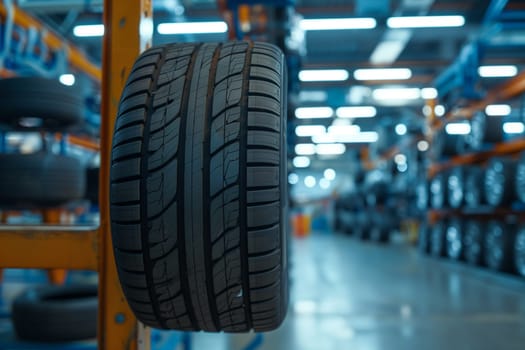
406, 163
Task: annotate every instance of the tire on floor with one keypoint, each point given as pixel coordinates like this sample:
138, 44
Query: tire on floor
198, 187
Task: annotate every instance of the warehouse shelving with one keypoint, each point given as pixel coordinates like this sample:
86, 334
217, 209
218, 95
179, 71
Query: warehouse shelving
90, 248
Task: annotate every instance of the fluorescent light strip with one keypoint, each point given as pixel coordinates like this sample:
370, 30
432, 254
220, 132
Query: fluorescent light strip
513, 127
314, 112
337, 23
301, 162
313, 96
360, 137
397, 94
497, 71
67, 79
192, 28
309, 130
498, 110
328, 149
89, 30
305, 149
383, 74
323, 75
343, 129
429, 93
356, 112
425, 21
457, 128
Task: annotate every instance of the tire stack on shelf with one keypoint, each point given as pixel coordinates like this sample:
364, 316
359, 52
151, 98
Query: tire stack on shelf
477, 202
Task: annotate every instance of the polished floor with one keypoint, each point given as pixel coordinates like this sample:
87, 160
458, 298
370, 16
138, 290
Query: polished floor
347, 294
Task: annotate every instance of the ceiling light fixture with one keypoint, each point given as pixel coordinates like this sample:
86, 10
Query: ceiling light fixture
311, 75
505, 71
401, 129
192, 28
356, 112
305, 149
457, 128
513, 127
425, 21
383, 74
67, 79
313, 112
384, 94
330, 149
309, 130
429, 93
88, 30
337, 23
498, 110
301, 162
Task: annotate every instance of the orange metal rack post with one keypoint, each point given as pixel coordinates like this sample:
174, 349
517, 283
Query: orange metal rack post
129, 28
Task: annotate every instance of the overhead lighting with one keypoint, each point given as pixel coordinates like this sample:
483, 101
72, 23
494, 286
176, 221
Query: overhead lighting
313, 96
383, 74
314, 112
301, 162
497, 71
323, 75
305, 149
396, 94
67, 79
498, 110
439, 110
425, 21
429, 93
293, 179
310, 181
343, 129
402, 167
391, 46
89, 30
401, 129
337, 23
324, 138
324, 183
457, 128
192, 28
329, 174
423, 146
400, 159
361, 137
513, 127
309, 130
356, 112
326, 149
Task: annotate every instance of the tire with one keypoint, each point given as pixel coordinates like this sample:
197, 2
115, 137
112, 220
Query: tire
92, 181
455, 187
519, 252
363, 226
454, 239
500, 182
39, 180
381, 226
424, 238
437, 239
499, 241
520, 178
52, 105
474, 184
445, 145
198, 187
485, 129
474, 242
56, 314
438, 191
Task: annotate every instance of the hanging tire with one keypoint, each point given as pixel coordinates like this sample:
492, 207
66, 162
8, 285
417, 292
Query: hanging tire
474, 185
39, 180
455, 187
485, 129
454, 239
474, 242
499, 241
198, 187
56, 314
520, 178
500, 182
519, 251
30, 103
438, 191
437, 239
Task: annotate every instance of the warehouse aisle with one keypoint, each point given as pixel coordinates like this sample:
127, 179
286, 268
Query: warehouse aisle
352, 295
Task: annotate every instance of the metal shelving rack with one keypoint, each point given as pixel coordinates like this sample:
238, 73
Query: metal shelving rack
90, 248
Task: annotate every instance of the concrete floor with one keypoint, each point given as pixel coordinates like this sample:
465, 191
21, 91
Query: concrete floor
352, 295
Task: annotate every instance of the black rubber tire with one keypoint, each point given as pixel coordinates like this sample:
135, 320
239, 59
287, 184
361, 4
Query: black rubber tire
437, 239
92, 181
445, 145
381, 226
520, 178
454, 239
474, 185
519, 251
485, 129
424, 238
39, 180
474, 242
499, 250
456, 187
438, 191
199, 190
499, 188
363, 226
55, 106
56, 313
